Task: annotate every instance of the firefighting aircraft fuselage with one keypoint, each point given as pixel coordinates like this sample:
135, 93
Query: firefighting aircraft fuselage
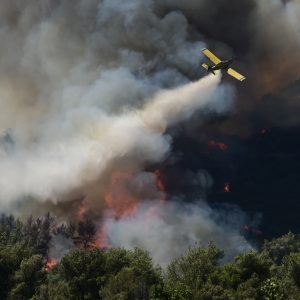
223, 65
220, 65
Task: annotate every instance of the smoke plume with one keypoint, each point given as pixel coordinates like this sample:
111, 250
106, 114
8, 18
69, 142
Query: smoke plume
89, 141
91, 89
176, 226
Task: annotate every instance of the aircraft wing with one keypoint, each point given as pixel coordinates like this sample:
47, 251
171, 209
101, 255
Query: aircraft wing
235, 74
211, 56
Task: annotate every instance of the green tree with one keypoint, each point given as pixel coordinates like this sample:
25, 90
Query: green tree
270, 290
135, 280
38, 233
248, 265
86, 233
11, 230
11, 256
188, 274
124, 285
28, 278
82, 271
54, 288
288, 276
282, 246
88, 273
245, 275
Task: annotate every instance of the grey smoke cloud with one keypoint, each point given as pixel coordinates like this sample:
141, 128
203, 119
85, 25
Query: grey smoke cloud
264, 37
174, 227
84, 84
263, 34
80, 144
87, 86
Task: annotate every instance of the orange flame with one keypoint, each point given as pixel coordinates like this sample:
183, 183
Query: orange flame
215, 144
122, 201
102, 238
119, 198
227, 187
50, 263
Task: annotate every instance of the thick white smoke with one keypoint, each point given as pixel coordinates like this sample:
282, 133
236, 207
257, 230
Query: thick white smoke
85, 141
169, 230
86, 86
79, 85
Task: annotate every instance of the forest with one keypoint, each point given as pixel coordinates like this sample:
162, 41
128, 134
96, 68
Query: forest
27, 270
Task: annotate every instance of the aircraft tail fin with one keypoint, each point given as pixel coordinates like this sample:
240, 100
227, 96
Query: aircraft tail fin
205, 66
208, 68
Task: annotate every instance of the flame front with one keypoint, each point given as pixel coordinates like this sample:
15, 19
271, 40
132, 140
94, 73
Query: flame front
102, 240
119, 199
123, 200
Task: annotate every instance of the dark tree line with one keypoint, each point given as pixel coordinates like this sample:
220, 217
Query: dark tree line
86, 272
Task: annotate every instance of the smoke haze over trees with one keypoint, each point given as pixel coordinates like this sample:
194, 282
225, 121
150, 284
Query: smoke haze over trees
106, 115
86, 272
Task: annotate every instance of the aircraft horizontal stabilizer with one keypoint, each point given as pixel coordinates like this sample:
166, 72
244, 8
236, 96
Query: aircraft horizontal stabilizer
205, 66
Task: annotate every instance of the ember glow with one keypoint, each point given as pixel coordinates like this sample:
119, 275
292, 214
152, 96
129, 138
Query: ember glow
82, 211
227, 187
216, 144
50, 263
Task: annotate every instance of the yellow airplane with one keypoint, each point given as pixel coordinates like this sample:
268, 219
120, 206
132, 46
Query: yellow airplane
220, 65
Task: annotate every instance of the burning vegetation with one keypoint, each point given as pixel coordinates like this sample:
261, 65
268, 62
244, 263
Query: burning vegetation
121, 198
227, 187
115, 273
50, 263
125, 194
87, 110
218, 145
